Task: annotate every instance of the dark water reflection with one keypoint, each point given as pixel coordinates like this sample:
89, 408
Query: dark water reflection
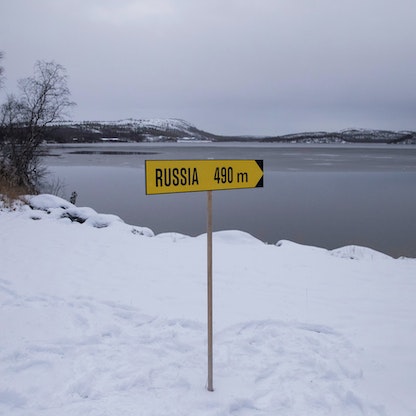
327, 196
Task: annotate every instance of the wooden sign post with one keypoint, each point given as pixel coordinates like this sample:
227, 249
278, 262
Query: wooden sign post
172, 176
209, 291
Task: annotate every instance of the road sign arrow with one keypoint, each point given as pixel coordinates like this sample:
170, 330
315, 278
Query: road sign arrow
171, 176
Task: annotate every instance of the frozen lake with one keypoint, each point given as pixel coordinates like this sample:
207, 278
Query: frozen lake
322, 195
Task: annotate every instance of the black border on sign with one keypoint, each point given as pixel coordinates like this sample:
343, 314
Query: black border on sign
260, 183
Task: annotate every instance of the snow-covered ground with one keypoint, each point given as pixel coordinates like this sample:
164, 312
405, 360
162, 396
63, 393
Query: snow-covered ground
103, 318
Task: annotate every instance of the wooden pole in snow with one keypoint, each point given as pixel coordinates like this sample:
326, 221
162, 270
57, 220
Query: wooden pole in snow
209, 288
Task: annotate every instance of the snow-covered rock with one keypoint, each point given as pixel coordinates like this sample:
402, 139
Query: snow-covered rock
47, 206
359, 253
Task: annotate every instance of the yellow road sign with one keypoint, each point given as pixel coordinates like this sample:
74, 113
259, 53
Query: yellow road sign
171, 176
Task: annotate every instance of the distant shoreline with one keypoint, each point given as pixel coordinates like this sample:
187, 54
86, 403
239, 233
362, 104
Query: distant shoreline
175, 130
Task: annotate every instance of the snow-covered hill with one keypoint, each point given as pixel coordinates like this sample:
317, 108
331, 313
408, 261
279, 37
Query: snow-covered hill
349, 136
172, 129
129, 130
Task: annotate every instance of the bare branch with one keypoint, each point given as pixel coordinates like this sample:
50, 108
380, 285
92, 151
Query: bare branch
1, 70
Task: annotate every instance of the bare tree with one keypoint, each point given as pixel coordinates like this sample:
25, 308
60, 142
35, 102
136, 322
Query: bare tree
1, 70
43, 100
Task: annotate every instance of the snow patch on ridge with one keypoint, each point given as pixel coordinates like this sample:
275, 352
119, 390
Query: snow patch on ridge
359, 253
233, 237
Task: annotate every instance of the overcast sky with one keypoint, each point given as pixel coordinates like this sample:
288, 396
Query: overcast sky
227, 66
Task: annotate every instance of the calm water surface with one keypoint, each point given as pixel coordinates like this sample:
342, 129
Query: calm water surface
322, 195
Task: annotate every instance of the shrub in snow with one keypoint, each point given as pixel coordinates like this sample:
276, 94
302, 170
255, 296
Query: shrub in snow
73, 199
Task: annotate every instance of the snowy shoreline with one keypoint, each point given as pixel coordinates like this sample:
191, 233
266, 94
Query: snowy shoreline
102, 319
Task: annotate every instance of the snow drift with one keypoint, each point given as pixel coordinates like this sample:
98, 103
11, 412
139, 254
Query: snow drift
100, 317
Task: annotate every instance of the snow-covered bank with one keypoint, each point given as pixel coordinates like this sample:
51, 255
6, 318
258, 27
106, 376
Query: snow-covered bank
103, 318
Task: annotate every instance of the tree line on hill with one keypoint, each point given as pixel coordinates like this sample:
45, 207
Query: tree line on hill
137, 131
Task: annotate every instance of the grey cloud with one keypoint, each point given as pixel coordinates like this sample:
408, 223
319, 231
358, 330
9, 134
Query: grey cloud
228, 66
